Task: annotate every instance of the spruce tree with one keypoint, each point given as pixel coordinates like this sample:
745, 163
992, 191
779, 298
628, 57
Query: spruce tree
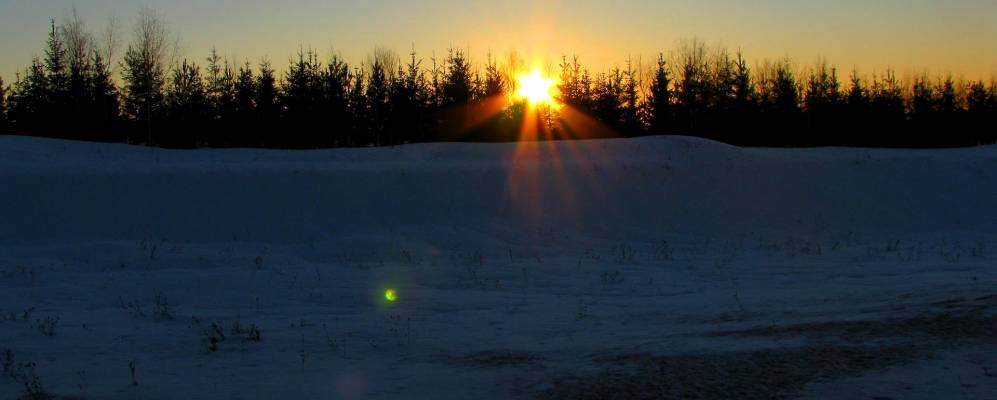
187, 107
220, 91
301, 91
457, 87
358, 108
630, 110
57, 71
104, 106
29, 100
406, 102
744, 105
144, 74
494, 81
822, 101
267, 106
659, 102
378, 86
3, 107
608, 98
887, 110
244, 114
335, 102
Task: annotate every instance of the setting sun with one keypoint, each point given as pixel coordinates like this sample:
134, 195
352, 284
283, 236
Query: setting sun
535, 88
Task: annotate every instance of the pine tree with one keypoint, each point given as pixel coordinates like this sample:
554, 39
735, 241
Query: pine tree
822, 100
659, 102
104, 106
923, 103
377, 96
358, 107
220, 91
407, 102
300, 93
29, 100
336, 83
144, 73
887, 110
3, 107
244, 114
575, 86
457, 93
718, 95
187, 106
494, 82
57, 71
691, 87
608, 98
630, 110
267, 106
245, 91
457, 87
744, 105
79, 99
981, 112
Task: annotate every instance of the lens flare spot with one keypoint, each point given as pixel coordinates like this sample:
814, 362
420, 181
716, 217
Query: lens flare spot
390, 295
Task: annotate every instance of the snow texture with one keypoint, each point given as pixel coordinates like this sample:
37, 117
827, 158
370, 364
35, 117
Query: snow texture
530, 270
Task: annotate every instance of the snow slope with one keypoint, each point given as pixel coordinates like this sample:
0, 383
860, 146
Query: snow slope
516, 265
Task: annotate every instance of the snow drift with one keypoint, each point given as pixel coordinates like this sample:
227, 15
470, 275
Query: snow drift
129, 272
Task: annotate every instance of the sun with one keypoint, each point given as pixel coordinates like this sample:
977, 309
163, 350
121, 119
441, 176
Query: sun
535, 88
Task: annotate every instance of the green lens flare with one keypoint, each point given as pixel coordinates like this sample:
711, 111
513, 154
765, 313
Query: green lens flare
390, 295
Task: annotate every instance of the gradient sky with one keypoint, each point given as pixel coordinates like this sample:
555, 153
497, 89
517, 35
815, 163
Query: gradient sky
912, 36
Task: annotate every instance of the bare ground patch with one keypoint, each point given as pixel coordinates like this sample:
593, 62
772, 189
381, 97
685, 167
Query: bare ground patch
784, 372
500, 358
764, 374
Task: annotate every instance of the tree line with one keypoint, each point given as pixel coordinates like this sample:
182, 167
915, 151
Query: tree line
157, 99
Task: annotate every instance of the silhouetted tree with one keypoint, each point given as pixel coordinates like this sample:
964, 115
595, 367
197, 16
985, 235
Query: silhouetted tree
781, 105
220, 92
494, 82
718, 95
104, 108
29, 100
70, 92
144, 73
301, 92
4, 126
378, 94
575, 85
744, 106
57, 88
458, 91
267, 106
630, 111
981, 110
187, 107
823, 103
608, 98
691, 85
245, 116
659, 102
335, 102
407, 99
887, 111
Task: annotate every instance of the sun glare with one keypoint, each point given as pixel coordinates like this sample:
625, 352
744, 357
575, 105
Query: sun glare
535, 88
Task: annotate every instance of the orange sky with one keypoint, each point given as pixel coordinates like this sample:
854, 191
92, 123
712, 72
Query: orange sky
955, 37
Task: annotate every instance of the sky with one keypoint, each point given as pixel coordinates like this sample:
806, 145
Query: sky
957, 37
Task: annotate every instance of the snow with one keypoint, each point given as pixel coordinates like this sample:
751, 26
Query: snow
515, 265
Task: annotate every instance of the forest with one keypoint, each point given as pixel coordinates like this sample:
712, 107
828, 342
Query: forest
79, 90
